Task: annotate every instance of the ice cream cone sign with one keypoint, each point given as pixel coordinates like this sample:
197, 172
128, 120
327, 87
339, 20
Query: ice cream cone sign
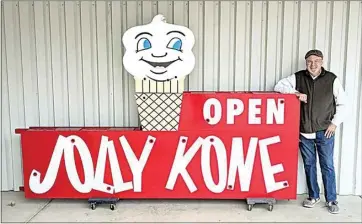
159, 56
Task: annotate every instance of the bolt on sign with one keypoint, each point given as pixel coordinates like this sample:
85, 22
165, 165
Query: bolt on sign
217, 145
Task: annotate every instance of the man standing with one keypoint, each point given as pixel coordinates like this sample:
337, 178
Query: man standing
322, 110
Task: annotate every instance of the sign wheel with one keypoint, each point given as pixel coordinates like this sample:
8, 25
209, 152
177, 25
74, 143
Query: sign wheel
93, 206
250, 207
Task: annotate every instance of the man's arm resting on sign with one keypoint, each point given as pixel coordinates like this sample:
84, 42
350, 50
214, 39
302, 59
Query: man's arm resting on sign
288, 85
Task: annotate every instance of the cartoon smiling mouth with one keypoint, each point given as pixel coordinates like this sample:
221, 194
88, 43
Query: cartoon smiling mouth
160, 64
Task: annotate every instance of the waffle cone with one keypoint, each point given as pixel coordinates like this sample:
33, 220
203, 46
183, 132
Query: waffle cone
159, 104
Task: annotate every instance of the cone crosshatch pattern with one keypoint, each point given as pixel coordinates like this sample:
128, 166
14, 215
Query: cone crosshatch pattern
159, 111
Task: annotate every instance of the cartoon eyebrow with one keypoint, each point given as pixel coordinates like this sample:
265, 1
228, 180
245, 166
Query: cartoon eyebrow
176, 31
142, 34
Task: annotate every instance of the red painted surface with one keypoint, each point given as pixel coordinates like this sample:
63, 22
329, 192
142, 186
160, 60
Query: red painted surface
38, 146
193, 102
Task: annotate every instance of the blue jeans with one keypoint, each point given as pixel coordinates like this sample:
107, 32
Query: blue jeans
325, 147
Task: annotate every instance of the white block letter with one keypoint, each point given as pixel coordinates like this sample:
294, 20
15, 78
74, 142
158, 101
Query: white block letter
180, 163
237, 162
76, 142
118, 183
253, 111
221, 160
52, 171
232, 111
268, 169
136, 165
273, 111
207, 110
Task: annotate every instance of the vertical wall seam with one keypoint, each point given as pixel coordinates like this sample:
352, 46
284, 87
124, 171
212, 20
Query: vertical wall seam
48, 66
112, 59
93, 46
51, 62
250, 43
203, 45
13, 10
360, 106
124, 26
76, 48
281, 40
110, 64
21, 60
276, 68
330, 33
122, 70
344, 25
260, 68
266, 45
36, 58
129, 76
218, 9
156, 6
44, 5
81, 59
126, 75
187, 9
66, 59
97, 62
109, 111
295, 35
299, 9
1, 83
359, 86
1, 80
315, 16
344, 77
246, 45
234, 39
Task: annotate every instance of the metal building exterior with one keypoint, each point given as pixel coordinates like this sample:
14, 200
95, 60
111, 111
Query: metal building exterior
62, 63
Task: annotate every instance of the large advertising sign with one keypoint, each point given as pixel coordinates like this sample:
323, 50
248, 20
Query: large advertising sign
229, 145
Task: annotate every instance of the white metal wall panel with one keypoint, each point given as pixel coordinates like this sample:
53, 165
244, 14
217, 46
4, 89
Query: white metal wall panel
62, 63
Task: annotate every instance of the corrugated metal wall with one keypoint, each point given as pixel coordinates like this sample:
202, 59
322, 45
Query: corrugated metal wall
62, 62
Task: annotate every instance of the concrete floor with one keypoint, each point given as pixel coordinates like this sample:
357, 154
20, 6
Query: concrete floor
14, 208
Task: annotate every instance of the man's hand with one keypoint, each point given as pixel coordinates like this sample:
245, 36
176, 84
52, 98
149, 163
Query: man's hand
302, 97
330, 130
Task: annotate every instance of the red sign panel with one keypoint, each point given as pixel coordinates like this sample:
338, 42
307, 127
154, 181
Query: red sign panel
229, 146
234, 111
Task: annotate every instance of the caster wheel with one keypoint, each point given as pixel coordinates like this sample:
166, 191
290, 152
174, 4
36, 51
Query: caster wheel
93, 206
270, 208
250, 207
112, 206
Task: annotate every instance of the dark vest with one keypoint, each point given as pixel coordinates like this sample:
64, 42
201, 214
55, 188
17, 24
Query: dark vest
318, 112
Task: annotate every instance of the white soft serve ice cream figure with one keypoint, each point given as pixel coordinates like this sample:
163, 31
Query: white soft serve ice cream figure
159, 51
159, 56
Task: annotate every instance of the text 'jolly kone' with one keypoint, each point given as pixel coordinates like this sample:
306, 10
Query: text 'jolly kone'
238, 163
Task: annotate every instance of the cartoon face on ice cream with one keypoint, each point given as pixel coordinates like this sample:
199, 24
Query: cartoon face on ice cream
159, 51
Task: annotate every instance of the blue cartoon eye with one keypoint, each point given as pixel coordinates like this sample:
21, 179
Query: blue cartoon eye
175, 43
143, 44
